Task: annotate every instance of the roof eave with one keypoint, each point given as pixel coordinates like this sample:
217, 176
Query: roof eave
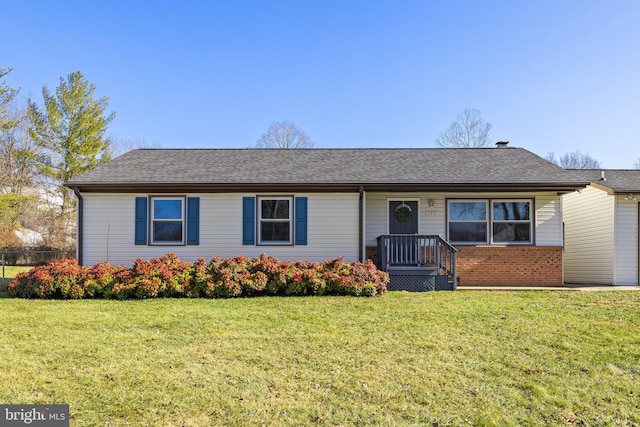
172, 187
625, 192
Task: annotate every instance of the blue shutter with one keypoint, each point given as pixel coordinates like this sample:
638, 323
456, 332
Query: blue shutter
248, 221
193, 220
141, 221
301, 221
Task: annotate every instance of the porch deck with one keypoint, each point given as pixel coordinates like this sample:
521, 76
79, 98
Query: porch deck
417, 263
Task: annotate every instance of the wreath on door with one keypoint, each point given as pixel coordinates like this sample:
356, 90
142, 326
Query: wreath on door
402, 212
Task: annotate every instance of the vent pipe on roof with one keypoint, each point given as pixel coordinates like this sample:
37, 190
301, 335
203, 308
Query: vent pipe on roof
602, 177
502, 144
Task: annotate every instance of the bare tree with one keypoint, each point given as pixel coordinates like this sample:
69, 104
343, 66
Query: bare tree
574, 160
469, 130
18, 155
284, 135
120, 145
11, 141
7, 96
636, 164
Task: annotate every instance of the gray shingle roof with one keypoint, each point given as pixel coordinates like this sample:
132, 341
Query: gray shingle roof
618, 180
427, 166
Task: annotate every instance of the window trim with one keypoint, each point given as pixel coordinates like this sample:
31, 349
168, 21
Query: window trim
260, 220
152, 220
486, 221
516, 221
490, 221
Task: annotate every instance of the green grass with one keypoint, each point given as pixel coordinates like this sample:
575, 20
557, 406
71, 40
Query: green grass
439, 358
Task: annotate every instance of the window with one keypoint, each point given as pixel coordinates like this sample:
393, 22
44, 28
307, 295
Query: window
163, 220
167, 220
274, 220
511, 221
468, 221
490, 221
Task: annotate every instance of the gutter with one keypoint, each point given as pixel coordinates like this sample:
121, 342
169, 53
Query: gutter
165, 187
79, 225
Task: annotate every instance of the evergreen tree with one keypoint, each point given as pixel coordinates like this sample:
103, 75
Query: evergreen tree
70, 130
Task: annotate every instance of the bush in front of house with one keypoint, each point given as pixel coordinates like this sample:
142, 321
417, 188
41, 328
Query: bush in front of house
168, 276
66, 279
62, 278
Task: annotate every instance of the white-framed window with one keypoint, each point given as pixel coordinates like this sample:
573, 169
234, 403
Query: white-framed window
275, 220
167, 220
503, 221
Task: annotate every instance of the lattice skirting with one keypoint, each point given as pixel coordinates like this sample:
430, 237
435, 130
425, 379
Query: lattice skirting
443, 283
411, 280
417, 281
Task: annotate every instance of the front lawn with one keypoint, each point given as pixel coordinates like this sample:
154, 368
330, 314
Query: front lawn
440, 358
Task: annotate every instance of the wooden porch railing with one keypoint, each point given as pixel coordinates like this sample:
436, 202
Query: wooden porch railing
415, 250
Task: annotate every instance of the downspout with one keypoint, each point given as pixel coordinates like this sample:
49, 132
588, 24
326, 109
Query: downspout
79, 225
361, 224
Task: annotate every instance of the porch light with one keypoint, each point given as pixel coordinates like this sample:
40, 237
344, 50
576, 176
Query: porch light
631, 197
431, 203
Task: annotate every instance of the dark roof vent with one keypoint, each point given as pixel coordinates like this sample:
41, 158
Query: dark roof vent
502, 144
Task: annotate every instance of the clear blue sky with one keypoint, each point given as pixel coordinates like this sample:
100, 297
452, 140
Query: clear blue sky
549, 75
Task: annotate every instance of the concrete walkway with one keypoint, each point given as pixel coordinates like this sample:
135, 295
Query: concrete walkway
583, 288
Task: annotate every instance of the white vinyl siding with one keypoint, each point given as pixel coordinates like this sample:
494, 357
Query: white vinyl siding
548, 229
430, 222
588, 231
109, 226
626, 242
547, 216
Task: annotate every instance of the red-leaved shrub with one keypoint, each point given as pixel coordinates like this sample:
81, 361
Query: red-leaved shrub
62, 278
168, 276
101, 278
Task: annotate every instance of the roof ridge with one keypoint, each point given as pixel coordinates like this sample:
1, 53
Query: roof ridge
322, 149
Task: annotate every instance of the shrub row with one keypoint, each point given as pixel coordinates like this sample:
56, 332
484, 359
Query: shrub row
168, 276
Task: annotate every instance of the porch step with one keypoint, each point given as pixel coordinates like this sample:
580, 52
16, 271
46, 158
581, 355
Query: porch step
416, 279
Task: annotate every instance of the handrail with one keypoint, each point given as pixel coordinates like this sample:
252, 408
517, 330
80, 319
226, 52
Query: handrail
417, 250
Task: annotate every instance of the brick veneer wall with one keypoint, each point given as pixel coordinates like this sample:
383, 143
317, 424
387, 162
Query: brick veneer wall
510, 265
505, 265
